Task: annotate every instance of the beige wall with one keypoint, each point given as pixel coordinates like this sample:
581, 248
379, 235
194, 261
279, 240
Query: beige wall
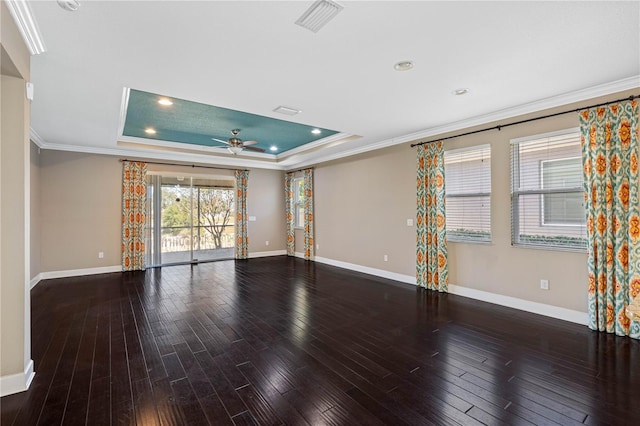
15, 333
80, 209
265, 201
35, 210
362, 204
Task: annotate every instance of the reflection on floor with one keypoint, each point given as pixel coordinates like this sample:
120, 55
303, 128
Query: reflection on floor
280, 340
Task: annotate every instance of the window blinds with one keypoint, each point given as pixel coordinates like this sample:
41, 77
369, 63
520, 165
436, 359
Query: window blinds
468, 193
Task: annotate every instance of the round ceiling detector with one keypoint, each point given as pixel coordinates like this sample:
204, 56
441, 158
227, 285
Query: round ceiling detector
461, 91
69, 5
403, 66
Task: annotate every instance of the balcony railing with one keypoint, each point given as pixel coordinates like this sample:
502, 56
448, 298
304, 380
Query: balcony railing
178, 238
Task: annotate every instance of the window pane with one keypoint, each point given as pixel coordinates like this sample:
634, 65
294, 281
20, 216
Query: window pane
299, 215
547, 195
468, 193
300, 189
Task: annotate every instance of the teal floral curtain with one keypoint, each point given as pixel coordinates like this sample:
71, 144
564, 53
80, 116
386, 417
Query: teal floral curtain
609, 137
431, 259
308, 214
288, 191
242, 238
134, 210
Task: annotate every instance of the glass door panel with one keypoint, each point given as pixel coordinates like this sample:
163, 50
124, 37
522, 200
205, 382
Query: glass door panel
191, 220
176, 234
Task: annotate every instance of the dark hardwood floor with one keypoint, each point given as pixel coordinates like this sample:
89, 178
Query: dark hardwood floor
282, 341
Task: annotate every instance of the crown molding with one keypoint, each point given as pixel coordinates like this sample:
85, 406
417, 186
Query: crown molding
23, 17
528, 108
159, 155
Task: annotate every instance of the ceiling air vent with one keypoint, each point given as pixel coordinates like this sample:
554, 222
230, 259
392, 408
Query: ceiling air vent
320, 12
287, 111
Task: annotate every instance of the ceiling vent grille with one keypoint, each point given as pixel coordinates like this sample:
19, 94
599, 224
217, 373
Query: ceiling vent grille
317, 16
287, 110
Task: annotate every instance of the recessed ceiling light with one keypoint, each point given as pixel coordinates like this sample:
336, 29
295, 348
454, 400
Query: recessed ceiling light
316, 131
165, 101
461, 91
273, 148
287, 110
403, 66
69, 5
150, 131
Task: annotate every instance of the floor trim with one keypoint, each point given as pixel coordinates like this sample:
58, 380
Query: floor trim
77, 272
15, 383
267, 253
557, 312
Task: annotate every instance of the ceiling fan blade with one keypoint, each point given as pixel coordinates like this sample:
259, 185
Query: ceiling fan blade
220, 140
245, 143
252, 148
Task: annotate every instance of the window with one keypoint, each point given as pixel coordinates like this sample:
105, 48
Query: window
547, 201
467, 175
298, 201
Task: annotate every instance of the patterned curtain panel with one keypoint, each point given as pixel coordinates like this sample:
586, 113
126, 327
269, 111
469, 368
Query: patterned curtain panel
610, 164
308, 214
134, 210
288, 191
242, 237
431, 260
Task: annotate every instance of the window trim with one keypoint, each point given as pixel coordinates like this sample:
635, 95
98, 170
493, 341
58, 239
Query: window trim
515, 195
481, 237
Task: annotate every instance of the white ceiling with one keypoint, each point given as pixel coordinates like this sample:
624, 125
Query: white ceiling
514, 57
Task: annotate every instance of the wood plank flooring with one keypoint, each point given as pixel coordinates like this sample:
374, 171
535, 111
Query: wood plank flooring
278, 340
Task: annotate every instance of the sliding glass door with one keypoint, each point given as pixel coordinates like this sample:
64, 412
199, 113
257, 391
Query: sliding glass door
192, 220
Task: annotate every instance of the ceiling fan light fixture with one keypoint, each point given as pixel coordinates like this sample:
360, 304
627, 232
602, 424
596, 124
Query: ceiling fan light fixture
319, 14
235, 149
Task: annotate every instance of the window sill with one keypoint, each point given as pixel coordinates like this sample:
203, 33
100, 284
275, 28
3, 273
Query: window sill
550, 248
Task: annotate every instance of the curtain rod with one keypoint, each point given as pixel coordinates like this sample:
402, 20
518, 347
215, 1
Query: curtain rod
501, 126
184, 165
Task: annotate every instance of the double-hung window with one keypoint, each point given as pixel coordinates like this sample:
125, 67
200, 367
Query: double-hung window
547, 194
467, 174
298, 201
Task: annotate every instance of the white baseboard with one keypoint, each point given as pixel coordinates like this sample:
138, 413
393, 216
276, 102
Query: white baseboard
498, 299
15, 383
267, 253
34, 281
79, 272
522, 304
367, 270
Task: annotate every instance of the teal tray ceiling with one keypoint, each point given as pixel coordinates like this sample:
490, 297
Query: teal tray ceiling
196, 124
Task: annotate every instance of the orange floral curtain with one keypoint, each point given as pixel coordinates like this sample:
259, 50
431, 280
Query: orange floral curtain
134, 209
432, 271
289, 214
610, 151
308, 214
242, 233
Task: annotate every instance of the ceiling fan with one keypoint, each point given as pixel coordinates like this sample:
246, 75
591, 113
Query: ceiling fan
236, 145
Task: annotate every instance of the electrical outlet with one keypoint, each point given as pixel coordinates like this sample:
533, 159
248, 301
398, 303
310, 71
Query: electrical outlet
409, 222
544, 284
100, 255
317, 246
386, 258
266, 243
